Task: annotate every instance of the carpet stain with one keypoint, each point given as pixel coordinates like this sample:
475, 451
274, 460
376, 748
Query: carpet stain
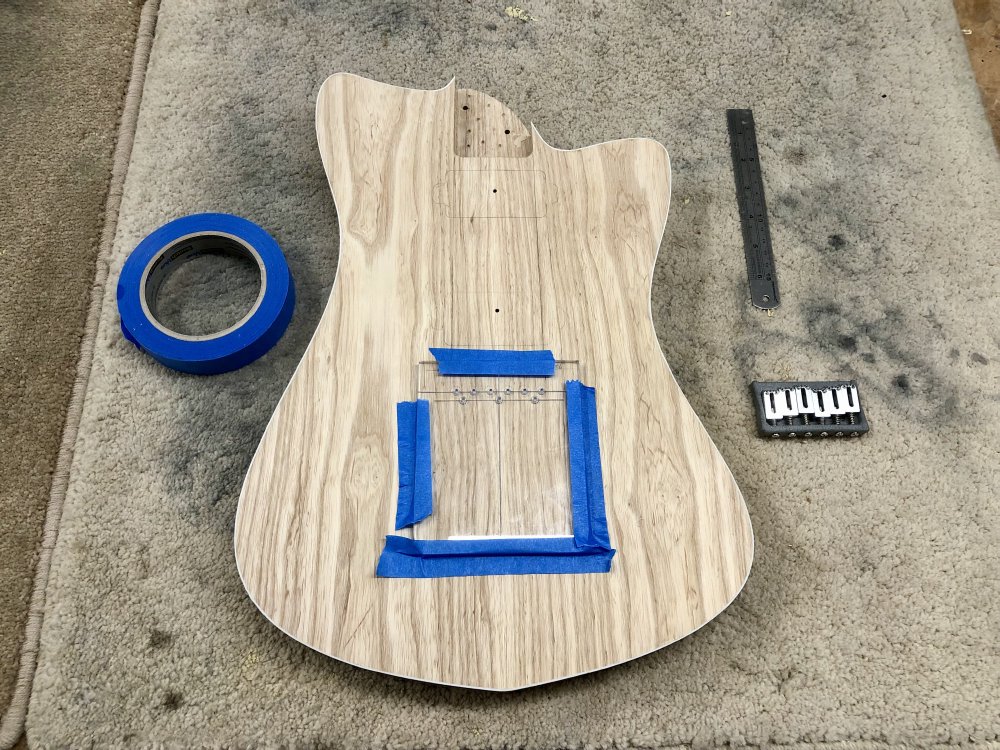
895, 338
159, 638
172, 700
796, 156
847, 343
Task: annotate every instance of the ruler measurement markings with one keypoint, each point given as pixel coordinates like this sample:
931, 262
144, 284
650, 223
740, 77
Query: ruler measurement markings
753, 209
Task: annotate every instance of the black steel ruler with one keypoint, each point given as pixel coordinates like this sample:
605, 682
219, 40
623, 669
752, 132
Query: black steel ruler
753, 209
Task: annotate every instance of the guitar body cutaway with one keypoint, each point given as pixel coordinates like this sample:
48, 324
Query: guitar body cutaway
461, 228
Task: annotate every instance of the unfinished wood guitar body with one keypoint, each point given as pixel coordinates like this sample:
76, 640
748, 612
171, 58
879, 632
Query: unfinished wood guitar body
461, 228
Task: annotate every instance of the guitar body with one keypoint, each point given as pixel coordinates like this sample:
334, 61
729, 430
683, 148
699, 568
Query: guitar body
459, 227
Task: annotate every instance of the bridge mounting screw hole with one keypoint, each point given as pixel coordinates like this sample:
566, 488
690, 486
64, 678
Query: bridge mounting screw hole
466, 106
506, 132
494, 190
496, 310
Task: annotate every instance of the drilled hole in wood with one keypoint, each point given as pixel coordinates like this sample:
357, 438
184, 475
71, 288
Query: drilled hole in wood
506, 132
465, 107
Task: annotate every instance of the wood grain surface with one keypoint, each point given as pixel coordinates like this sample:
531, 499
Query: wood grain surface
504, 243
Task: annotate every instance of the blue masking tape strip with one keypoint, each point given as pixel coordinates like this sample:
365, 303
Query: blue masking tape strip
406, 453
590, 524
185, 238
415, 500
537, 363
409, 558
587, 551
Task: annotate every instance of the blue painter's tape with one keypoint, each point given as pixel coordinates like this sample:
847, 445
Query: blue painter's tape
415, 500
587, 551
590, 523
537, 363
410, 558
189, 237
406, 453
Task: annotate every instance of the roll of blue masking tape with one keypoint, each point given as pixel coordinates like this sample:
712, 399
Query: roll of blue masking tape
179, 241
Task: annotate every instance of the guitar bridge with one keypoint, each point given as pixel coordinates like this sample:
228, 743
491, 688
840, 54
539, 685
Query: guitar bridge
829, 408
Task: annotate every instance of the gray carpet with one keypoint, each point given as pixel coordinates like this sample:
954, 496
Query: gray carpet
870, 618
